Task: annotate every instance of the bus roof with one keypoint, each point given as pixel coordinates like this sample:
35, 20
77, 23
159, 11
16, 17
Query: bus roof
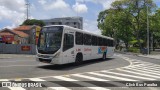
80, 30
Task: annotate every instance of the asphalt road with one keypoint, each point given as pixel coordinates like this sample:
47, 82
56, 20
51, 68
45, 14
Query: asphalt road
112, 71
27, 67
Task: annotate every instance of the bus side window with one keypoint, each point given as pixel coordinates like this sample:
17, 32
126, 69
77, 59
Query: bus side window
79, 38
112, 43
94, 41
68, 41
108, 42
100, 41
104, 41
87, 39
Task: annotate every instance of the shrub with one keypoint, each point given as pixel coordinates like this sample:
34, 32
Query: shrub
133, 49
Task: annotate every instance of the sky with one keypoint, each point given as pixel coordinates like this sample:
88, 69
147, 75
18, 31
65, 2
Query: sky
13, 12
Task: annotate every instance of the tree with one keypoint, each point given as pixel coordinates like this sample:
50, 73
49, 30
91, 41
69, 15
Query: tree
126, 20
33, 22
123, 17
115, 22
155, 28
139, 13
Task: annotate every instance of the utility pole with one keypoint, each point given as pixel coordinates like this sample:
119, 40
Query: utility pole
147, 33
27, 9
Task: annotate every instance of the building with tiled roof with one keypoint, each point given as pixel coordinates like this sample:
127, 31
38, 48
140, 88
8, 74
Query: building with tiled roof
21, 34
23, 28
7, 37
5, 33
29, 30
10, 36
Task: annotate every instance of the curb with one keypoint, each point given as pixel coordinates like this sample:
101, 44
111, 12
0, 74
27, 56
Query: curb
136, 54
148, 57
128, 53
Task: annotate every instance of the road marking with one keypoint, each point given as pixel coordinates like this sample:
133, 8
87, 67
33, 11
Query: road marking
12, 88
153, 69
131, 66
139, 77
89, 77
137, 65
16, 88
18, 79
129, 71
19, 65
145, 71
4, 80
146, 66
135, 62
139, 62
17, 61
48, 88
36, 79
125, 58
5, 57
58, 88
144, 63
111, 76
94, 87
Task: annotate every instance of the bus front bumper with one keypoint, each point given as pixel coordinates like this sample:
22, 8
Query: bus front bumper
44, 58
48, 60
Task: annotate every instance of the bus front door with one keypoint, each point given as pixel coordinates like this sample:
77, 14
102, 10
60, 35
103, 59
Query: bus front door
68, 48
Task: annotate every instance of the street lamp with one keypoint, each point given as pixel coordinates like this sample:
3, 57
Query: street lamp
147, 32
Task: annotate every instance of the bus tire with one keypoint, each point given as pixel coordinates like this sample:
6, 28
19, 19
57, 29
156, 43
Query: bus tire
104, 56
79, 59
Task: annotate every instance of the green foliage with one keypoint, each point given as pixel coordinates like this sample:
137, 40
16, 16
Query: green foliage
135, 41
33, 22
133, 49
126, 20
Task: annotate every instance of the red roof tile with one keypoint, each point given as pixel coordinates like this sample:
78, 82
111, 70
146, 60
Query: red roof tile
21, 28
16, 31
5, 33
19, 33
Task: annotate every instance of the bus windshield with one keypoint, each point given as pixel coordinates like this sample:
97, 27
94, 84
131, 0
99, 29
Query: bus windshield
50, 40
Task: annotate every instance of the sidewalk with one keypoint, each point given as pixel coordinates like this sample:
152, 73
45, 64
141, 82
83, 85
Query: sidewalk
154, 54
151, 56
3, 56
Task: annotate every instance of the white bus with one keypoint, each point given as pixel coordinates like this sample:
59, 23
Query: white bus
61, 44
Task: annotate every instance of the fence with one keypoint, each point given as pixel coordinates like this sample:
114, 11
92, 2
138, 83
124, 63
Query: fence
17, 49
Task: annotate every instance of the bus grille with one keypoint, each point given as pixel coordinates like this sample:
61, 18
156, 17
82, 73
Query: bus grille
45, 60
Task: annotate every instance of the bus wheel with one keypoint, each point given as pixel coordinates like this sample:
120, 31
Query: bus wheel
79, 59
104, 56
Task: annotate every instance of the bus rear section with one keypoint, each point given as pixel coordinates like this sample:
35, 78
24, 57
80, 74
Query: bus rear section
93, 46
